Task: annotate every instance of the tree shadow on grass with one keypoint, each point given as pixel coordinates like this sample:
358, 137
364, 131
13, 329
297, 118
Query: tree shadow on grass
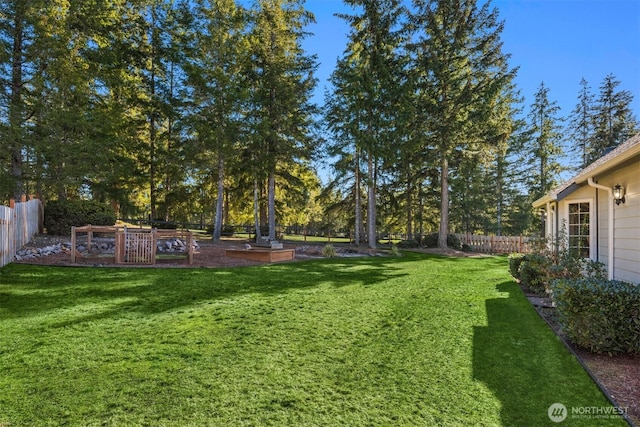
31, 290
525, 365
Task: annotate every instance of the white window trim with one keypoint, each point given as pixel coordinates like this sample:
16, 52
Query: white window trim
592, 221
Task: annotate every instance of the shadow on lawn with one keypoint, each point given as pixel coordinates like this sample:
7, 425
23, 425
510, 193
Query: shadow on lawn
106, 292
507, 359
526, 367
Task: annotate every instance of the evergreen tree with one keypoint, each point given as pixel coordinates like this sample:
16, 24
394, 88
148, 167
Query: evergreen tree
543, 145
457, 51
614, 121
581, 124
19, 52
367, 83
217, 78
280, 112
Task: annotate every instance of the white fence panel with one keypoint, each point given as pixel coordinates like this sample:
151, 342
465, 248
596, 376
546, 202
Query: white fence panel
17, 227
497, 244
7, 236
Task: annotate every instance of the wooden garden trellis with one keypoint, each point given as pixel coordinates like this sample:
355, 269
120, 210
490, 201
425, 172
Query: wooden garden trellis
133, 245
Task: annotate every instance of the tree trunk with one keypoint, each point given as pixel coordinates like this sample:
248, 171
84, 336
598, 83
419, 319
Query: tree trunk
409, 210
217, 227
499, 196
444, 203
272, 205
256, 209
358, 200
371, 204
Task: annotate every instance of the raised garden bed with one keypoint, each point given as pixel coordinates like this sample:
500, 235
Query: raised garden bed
262, 254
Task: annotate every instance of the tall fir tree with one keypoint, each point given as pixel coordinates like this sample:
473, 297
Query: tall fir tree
19, 63
543, 146
217, 77
280, 112
372, 65
341, 114
458, 53
581, 126
614, 121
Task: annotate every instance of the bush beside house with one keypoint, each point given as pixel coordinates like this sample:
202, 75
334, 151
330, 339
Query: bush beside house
595, 313
600, 315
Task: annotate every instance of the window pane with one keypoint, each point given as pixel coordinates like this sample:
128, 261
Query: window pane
579, 229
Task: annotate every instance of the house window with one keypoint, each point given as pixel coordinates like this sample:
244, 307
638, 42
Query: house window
579, 230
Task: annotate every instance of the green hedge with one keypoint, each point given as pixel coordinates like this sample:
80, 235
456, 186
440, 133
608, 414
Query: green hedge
600, 315
537, 271
61, 215
515, 261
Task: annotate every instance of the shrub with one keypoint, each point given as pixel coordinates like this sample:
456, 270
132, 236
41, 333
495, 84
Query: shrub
535, 272
408, 243
61, 215
431, 241
161, 224
600, 315
515, 260
329, 251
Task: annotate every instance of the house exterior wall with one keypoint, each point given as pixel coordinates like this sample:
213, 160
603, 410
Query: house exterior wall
626, 247
616, 228
627, 222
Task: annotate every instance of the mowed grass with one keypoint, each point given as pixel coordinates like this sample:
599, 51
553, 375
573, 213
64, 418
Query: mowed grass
411, 340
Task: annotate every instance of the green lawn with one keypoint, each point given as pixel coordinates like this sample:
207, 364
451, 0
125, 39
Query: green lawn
413, 340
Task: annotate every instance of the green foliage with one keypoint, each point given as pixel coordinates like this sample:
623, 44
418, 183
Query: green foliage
600, 315
329, 251
454, 242
515, 261
612, 118
410, 243
61, 215
538, 269
431, 241
534, 272
163, 225
542, 148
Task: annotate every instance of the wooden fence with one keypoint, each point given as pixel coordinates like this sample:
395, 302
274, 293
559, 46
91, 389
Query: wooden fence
18, 224
497, 244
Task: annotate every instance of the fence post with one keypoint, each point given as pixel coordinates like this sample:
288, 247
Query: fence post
73, 244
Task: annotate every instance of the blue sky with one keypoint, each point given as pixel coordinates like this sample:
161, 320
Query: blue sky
555, 41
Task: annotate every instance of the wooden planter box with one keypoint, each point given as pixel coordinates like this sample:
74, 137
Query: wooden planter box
263, 255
